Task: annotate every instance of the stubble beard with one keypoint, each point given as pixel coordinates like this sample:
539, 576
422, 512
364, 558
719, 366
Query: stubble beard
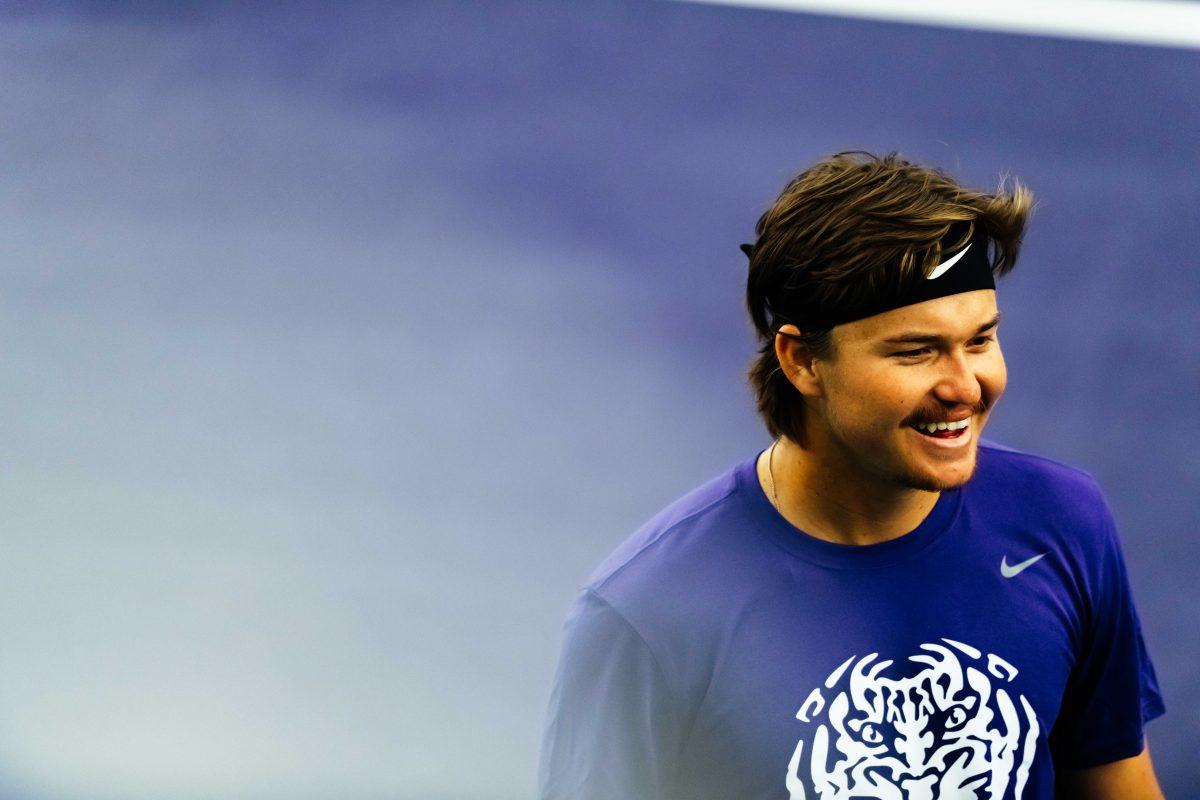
904, 473
911, 479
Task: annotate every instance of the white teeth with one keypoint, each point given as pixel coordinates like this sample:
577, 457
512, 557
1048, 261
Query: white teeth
934, 427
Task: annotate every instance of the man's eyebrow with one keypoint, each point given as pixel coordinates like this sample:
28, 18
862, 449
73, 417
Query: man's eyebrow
928, 338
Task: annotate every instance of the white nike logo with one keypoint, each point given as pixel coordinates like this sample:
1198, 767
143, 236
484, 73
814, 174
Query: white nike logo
941, 268
1017, 569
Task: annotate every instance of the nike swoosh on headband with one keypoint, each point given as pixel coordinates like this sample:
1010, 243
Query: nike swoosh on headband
1017, 569
941, 268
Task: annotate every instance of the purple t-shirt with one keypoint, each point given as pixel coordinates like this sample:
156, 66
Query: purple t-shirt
720, 652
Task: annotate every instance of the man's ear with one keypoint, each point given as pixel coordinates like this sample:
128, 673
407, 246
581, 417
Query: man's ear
797, 362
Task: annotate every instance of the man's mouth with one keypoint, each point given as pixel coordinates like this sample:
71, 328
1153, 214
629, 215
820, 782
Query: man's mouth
942, 430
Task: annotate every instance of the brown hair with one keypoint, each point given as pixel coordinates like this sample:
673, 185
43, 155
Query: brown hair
842, 232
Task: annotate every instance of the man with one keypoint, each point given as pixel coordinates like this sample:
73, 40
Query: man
880, 604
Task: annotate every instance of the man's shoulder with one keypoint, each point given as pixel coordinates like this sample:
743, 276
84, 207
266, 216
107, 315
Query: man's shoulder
1040, 485
1003, 463
671, 535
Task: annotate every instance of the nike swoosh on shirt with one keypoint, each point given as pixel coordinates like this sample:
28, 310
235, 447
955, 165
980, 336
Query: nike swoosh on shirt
941, 268
1017, 569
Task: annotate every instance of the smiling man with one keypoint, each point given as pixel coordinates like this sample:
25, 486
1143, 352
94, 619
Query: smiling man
880, 604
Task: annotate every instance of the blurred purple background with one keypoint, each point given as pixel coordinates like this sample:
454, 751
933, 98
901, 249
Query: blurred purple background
342, 340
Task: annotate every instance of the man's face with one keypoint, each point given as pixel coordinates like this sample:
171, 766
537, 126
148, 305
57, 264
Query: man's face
884, 378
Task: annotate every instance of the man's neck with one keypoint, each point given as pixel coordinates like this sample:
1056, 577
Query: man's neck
825, 498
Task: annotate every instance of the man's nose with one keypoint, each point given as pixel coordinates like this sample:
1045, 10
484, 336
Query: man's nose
958, 382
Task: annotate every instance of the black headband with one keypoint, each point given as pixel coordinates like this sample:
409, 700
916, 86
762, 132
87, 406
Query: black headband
965, 270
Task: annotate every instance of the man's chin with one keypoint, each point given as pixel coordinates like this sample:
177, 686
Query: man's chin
938, 471
931, 485
940, 480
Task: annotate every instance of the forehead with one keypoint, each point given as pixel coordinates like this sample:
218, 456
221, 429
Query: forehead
955, 315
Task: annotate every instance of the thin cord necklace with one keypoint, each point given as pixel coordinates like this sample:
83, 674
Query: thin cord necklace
771, 470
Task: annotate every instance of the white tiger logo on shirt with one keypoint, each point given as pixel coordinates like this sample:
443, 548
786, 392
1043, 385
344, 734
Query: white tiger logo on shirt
947, 732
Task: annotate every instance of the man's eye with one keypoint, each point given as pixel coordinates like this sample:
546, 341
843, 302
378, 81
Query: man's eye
978, 341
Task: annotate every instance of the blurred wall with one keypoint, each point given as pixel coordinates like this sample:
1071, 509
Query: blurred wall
343, 340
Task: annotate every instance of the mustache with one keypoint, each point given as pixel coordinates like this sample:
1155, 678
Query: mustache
944, 416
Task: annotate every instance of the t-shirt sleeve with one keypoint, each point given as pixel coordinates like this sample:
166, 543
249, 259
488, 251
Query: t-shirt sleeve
1113, 690
611, 729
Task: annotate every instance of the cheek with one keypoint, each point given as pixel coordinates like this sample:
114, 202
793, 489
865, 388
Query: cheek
876, 397
888, 394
